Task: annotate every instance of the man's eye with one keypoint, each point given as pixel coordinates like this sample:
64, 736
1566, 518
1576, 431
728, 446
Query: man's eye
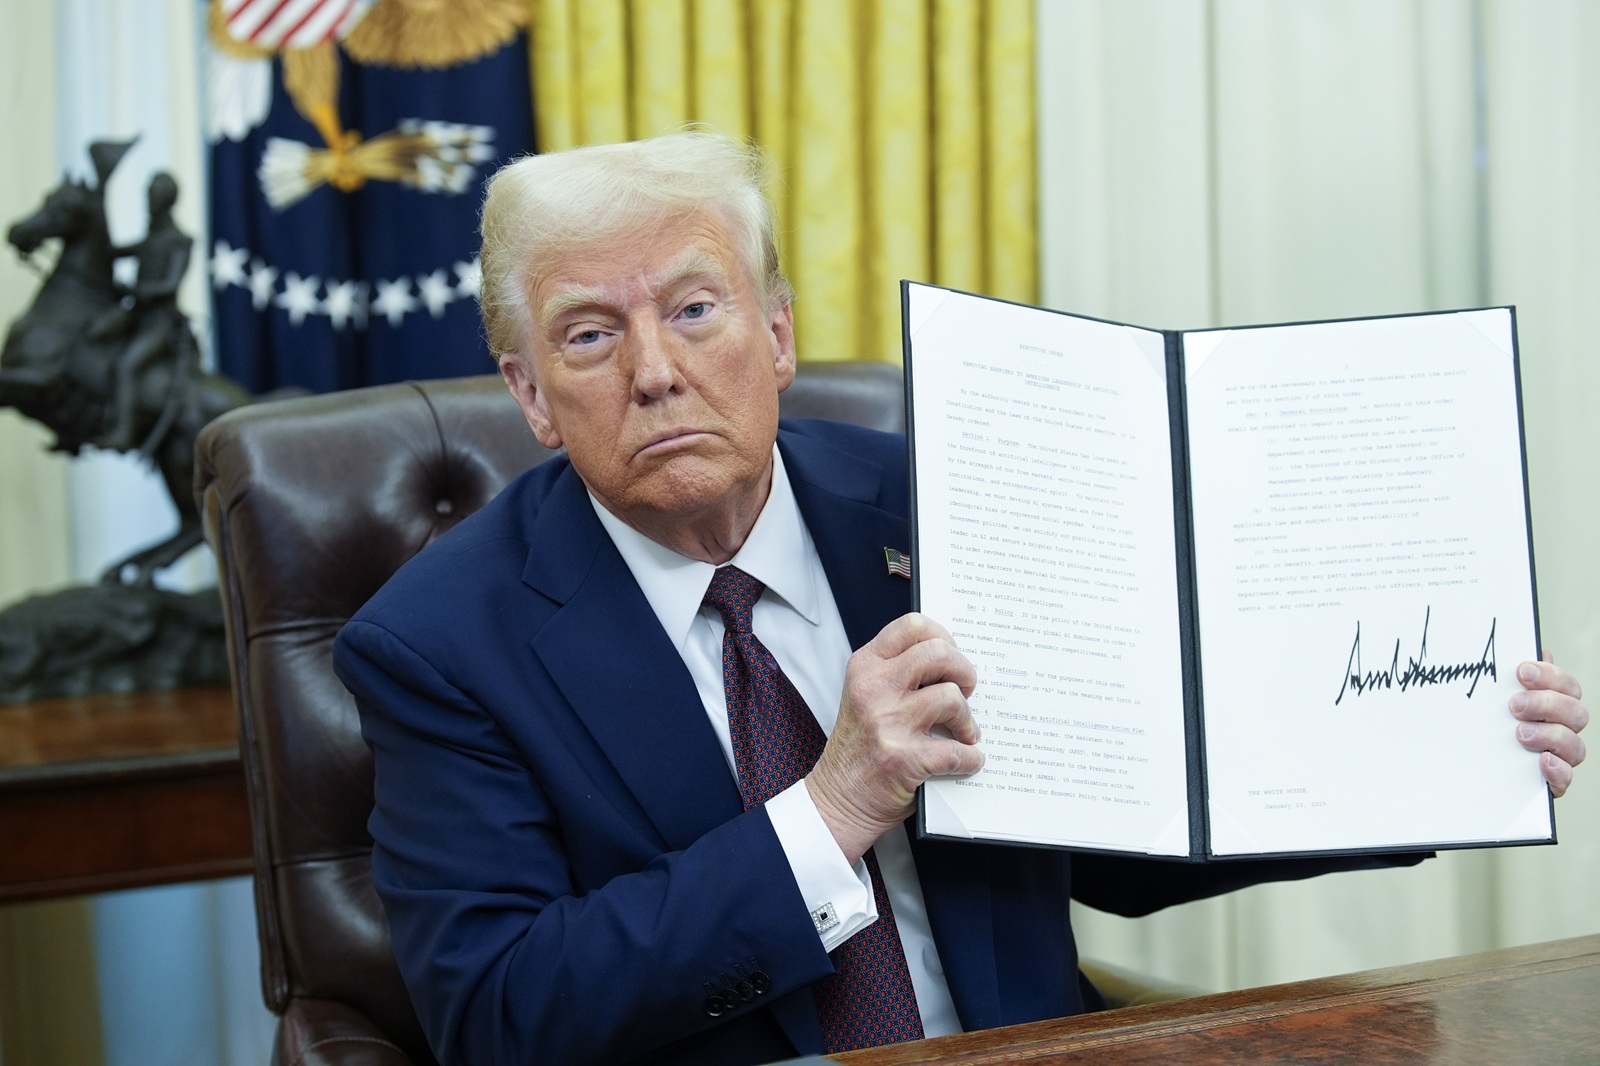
696, 310
588, 336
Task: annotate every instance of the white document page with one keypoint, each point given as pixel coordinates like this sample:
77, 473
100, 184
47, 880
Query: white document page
1045, 544
1364, 586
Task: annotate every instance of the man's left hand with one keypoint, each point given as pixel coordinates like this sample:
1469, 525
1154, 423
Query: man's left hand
1551, 714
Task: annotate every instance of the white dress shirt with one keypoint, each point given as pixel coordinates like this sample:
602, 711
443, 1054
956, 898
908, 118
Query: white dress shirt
798, 621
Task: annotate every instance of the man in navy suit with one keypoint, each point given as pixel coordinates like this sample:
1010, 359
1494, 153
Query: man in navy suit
568, 843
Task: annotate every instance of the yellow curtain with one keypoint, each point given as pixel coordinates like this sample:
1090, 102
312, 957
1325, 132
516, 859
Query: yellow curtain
902, 133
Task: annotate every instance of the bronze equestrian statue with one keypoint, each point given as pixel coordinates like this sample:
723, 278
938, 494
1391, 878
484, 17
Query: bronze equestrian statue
111, 367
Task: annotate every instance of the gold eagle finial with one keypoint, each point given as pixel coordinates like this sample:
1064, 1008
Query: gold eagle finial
408, 34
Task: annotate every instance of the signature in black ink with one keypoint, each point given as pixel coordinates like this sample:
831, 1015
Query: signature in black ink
1417, 672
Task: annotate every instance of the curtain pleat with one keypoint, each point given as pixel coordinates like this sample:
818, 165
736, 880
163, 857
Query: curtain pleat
901, 133
825, 232
550, 60
661, 68
771, 65
720, 85
1010, 220
898, 149
602, 69
958, 85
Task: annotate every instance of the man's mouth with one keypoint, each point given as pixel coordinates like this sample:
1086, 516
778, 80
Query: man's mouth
670, 440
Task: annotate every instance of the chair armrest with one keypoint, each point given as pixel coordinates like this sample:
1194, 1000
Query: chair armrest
324, 1032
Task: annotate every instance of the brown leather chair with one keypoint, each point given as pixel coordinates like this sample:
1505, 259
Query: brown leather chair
310, 505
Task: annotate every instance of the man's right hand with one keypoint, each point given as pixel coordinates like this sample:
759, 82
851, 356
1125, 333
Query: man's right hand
898, 688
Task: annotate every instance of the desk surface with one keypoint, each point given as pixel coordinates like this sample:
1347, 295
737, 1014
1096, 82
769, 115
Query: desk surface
99, 793
1535, 1004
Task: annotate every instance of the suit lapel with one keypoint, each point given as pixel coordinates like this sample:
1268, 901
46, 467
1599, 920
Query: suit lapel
840, 498
633, 693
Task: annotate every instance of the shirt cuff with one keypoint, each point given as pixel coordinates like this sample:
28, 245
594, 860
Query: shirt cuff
838, 894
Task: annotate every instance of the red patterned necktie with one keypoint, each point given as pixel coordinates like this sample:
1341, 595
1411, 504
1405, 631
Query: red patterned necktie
776, 742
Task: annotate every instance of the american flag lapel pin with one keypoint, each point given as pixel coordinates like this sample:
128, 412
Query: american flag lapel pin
899, 562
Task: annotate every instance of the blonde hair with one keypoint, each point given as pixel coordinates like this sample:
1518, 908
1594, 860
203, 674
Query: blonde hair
542, 205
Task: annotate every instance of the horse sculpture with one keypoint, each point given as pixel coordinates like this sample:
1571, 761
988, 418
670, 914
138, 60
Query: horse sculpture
58, 369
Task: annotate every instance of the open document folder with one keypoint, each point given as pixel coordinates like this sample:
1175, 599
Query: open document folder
1237, 592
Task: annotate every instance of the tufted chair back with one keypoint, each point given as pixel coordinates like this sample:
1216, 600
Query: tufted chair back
310, 504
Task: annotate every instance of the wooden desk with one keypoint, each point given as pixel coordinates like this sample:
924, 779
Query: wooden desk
1534, 1004
100, 793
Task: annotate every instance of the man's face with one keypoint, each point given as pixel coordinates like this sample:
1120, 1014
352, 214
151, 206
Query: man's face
656, 365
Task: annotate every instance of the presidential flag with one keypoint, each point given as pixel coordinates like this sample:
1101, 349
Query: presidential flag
350, 140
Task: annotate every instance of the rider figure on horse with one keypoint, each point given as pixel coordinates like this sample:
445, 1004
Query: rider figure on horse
114, 367
159, 329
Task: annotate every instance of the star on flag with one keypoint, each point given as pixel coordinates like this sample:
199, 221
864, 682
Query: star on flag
394, 300
299, 296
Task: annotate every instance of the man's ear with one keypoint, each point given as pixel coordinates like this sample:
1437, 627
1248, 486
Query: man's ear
781, 322
518, 377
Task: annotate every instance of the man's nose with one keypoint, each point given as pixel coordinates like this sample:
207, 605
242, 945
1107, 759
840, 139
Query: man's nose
653, 358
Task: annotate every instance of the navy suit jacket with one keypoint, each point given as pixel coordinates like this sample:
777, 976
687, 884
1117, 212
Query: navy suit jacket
559, 845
